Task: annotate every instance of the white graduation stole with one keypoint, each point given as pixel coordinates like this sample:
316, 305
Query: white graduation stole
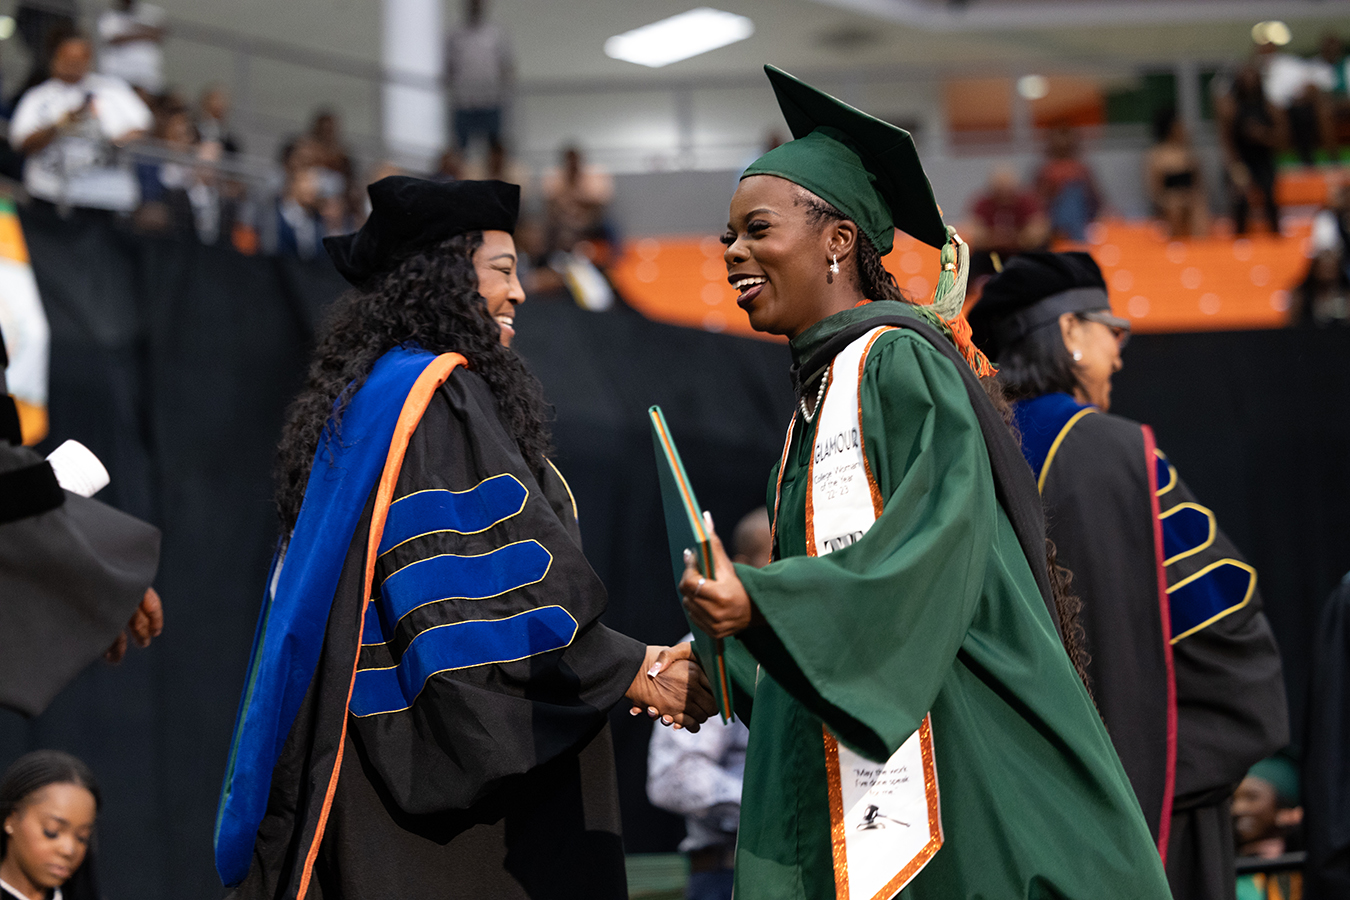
885, 819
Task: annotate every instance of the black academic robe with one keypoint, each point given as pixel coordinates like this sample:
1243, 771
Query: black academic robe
490, 778
72, 572
1326, 758
1184, 667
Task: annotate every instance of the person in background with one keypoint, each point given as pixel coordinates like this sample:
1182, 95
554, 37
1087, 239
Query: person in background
698, 775
221, 207
339, 194
1006, 220
1328, 71
213, 119
40, 24
1266, 816
479, 68
49, 802
1182, 661
580, 244
1250, 130
576, 198
69, 127
1289, 84
299, 221
1067, 187
330, 151
1331, 67
752, 539
1322, 298
1331, 225
1266, 809
130, 33
166, 207
198, 201
1173, 179
498, 165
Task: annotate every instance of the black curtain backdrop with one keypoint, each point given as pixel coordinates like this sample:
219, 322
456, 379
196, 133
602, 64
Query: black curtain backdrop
174, 363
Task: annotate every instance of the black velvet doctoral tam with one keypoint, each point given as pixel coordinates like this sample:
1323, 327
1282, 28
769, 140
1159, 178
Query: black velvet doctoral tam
1033, 289
410, 214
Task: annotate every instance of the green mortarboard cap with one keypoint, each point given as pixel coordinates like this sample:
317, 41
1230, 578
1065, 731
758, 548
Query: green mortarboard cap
1282, 774
865, 167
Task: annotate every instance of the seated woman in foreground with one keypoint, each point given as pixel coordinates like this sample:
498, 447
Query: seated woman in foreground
48, 803
905, 634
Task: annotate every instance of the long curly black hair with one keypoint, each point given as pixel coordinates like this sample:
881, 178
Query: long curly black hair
877, 283
430, 298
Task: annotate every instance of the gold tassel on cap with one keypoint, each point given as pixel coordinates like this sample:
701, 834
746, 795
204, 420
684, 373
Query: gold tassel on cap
950, 297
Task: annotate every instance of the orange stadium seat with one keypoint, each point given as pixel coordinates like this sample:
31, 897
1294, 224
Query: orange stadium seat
1207, 284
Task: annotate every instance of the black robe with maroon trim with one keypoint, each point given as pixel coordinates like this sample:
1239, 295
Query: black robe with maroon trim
1230, 706
477, 762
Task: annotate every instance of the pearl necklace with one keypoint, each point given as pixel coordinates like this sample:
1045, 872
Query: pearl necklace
820, 395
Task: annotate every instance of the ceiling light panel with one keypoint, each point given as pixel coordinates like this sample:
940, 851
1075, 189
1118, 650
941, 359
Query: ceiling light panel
679, 37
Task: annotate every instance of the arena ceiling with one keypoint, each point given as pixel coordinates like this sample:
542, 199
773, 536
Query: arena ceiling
561, 40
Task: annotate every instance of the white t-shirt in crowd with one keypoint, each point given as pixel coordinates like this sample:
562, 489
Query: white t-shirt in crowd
139, 63
1285, 77
1326, 232
1330, 78
77, 168
478, 59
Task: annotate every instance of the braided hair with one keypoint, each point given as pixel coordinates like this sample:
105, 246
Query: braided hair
33, 772
870, 275
430, 299
876, 283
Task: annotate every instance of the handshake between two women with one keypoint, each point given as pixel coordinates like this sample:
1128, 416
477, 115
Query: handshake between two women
671, 684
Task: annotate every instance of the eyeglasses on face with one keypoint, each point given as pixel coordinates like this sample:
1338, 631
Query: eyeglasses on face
1119, 327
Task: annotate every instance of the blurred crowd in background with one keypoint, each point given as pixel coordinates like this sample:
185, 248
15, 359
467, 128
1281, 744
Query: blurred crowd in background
98, 127
98, 130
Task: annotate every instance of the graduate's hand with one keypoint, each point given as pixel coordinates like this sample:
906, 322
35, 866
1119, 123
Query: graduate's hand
146, 622
719, 606
671, 684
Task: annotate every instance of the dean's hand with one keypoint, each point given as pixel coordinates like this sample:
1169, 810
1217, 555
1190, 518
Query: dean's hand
146, 623
672, 685
719, 606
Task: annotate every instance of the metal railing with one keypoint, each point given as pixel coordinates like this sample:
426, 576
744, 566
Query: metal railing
255, 60
364, 132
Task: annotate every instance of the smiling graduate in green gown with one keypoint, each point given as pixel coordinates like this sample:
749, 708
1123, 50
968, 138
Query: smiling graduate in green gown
918, 727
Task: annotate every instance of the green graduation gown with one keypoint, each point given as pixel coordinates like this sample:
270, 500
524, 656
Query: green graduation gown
934, 609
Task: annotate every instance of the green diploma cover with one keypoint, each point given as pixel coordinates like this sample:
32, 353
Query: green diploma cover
685, 530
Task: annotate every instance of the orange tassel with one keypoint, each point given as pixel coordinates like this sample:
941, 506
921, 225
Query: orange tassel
961, 337
960, 327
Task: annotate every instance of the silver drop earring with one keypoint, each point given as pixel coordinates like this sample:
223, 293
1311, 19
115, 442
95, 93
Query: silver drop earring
834, 268
1078, 356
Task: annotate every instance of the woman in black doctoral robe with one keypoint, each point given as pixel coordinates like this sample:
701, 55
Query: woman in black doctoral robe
1183, 664
425, 710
